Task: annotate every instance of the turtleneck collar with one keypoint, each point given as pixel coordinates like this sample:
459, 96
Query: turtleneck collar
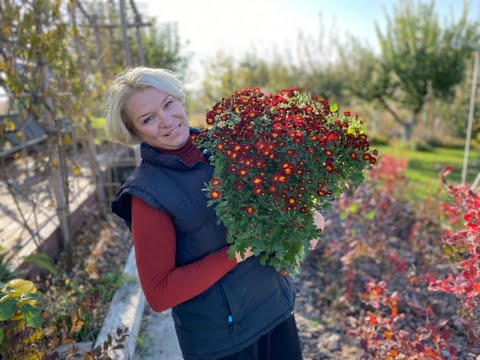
188, 153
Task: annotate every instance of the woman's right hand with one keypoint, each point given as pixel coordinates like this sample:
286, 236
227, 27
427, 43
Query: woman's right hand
246, 255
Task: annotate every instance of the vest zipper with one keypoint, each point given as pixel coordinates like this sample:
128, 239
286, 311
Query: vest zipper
231, 324
230, 319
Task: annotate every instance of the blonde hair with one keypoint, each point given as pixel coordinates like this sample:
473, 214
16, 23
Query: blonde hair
117, 125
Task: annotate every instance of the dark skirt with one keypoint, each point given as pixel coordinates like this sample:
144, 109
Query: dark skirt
282, 343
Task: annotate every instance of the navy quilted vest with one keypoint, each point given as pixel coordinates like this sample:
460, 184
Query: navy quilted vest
247, 302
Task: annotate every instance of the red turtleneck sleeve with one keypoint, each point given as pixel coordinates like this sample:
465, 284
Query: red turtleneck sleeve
164, 284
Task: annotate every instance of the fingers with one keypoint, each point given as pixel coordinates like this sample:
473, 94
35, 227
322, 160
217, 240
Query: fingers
318, 220
248, 252
313, 243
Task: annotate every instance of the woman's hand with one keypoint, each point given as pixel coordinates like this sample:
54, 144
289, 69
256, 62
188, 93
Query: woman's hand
319, 222
246, 255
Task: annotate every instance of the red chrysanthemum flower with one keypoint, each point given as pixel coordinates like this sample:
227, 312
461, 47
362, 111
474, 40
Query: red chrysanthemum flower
279, 178
250, 210
242, 172
257, 190
257, 180
214, 194
239, 185
329, 167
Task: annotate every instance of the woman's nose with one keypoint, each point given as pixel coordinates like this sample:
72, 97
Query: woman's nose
165, 121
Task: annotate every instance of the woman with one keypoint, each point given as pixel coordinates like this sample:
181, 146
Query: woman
222, 308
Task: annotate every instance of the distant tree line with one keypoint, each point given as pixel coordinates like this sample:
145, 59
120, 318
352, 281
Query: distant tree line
422, 61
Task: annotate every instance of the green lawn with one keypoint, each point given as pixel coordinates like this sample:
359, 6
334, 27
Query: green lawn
424, 166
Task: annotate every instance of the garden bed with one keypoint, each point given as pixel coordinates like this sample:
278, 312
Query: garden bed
77, 300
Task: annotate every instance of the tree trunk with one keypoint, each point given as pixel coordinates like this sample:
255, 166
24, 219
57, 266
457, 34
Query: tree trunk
408, 127
91, 153
59, 175
62, 203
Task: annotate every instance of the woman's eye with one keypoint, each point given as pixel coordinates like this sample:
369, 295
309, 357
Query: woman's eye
147, 119
168, 104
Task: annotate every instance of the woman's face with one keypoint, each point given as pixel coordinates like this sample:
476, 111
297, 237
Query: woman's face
158, 118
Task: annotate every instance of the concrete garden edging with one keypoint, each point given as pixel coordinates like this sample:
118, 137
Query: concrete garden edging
125, 311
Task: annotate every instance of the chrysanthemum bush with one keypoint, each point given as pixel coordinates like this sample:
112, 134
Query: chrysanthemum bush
277, 158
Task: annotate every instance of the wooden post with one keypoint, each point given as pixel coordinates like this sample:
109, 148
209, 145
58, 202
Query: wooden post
89, 140
59, 175
470, 116
126, 48
138, 24
98, 47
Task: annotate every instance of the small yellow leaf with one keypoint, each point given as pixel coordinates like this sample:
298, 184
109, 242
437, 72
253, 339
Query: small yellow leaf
19, 135
9, 125
76, 170
54, 162
73, 317
67, 140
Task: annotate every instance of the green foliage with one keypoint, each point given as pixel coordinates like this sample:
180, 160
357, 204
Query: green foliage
423, 167
110, 282
422, 59
5, 273
36, 38
456, 111
446, 142
20, 320
377, 139
420, 145
18, 297
164, 49
424, 56
225, 75
43, 261
32, 315
8, 308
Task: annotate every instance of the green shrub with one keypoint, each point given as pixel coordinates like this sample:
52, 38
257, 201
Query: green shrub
420, 145
446, 142
377, 139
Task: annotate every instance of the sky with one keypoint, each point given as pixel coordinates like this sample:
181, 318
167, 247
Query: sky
269, 26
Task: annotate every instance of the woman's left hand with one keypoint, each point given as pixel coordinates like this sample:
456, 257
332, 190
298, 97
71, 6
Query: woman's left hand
319, 222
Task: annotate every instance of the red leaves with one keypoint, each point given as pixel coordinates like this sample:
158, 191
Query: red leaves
381, 334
